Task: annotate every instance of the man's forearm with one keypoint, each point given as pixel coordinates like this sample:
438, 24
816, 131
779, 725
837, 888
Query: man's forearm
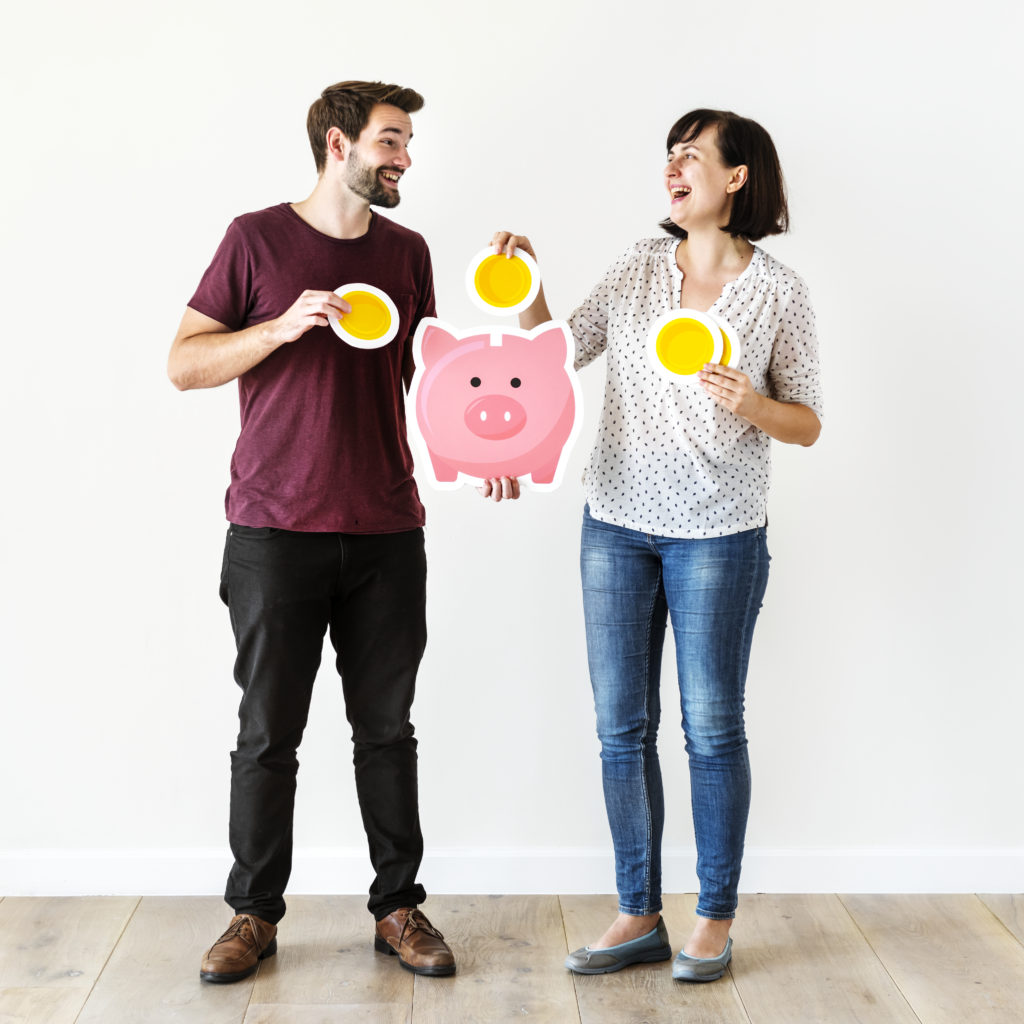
210, 359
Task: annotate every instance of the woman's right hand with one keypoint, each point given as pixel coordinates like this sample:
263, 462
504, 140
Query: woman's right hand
506, 242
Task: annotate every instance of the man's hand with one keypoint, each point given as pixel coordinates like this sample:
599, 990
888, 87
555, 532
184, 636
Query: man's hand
206, 353
310, 309
500, 487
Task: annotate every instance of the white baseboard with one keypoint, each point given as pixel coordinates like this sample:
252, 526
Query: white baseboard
510, 871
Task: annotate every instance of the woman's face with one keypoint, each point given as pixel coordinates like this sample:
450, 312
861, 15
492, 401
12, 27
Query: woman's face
700, 185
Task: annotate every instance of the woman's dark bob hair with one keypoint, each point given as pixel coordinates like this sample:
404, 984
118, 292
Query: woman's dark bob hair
759, 208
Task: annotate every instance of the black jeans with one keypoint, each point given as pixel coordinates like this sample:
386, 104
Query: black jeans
284, 591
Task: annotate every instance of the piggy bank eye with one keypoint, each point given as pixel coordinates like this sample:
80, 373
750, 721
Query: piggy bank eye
475, 381
515, 382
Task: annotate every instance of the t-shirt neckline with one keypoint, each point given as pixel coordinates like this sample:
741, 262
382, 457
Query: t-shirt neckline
289, 210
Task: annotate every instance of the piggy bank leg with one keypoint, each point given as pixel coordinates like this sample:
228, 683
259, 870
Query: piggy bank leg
545, 473
444, 472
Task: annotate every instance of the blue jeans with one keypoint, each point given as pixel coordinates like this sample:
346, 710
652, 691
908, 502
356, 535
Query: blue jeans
713, 590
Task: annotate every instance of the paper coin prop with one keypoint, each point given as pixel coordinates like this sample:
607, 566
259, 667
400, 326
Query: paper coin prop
497, 284
731, 349
681, 341
373, 321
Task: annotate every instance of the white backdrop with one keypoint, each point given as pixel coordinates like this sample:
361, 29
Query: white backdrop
885, 695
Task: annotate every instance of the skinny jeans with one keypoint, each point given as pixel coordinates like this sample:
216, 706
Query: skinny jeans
712, 590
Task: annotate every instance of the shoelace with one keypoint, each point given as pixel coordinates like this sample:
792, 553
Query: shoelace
415, 921
236, 929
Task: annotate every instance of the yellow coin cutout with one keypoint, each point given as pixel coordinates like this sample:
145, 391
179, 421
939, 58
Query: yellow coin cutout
502, 282
370, 317
684, 346
732, 350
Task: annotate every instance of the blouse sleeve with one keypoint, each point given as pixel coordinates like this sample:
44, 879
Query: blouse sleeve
794, 371
589, 321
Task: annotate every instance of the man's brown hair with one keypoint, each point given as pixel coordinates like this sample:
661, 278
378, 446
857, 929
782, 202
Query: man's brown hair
347, 106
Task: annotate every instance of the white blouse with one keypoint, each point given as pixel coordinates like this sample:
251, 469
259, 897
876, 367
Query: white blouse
668, 460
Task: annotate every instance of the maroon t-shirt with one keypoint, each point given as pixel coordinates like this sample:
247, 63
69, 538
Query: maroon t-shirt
323, 444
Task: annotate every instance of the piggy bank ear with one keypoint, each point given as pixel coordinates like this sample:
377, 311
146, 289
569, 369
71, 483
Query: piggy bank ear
434, 340
554, 344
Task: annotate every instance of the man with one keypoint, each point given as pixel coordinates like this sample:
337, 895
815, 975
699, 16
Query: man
326, 522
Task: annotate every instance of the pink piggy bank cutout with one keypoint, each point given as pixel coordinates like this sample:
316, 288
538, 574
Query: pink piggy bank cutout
492, 402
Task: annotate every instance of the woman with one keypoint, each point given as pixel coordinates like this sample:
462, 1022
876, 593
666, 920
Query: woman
675, 519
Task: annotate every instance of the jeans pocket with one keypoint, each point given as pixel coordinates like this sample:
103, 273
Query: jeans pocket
252, 532
224, 562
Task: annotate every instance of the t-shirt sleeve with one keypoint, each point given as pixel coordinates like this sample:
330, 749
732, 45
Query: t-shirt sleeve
426, 306
225, 291
589, 321
794, 371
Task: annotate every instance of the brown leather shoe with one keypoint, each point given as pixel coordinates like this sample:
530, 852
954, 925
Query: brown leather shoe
238, 952
419, 946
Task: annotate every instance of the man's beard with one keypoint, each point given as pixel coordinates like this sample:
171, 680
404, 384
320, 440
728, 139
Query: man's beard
362, 179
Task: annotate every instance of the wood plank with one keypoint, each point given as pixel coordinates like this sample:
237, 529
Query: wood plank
326, 958
798, 958
153, 975
509, 951
1010, 910
52, 951
646, 992
952, 960
802, 959
40, 1005
369, 1013
59, 942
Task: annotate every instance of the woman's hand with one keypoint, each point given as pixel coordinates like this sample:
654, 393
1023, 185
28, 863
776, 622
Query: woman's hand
507, 243
731, 389
789, 422
500, 487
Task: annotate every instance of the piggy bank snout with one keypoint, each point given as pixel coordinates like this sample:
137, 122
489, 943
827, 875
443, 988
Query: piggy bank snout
495, 417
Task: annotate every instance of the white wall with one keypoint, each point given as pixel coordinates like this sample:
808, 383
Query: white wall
885, 696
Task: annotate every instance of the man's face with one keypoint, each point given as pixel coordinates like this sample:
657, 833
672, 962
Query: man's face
380, 156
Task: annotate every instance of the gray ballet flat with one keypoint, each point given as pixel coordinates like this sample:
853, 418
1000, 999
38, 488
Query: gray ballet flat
694, 968
648, 949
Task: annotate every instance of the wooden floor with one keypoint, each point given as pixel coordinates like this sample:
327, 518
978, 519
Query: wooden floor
857, 959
